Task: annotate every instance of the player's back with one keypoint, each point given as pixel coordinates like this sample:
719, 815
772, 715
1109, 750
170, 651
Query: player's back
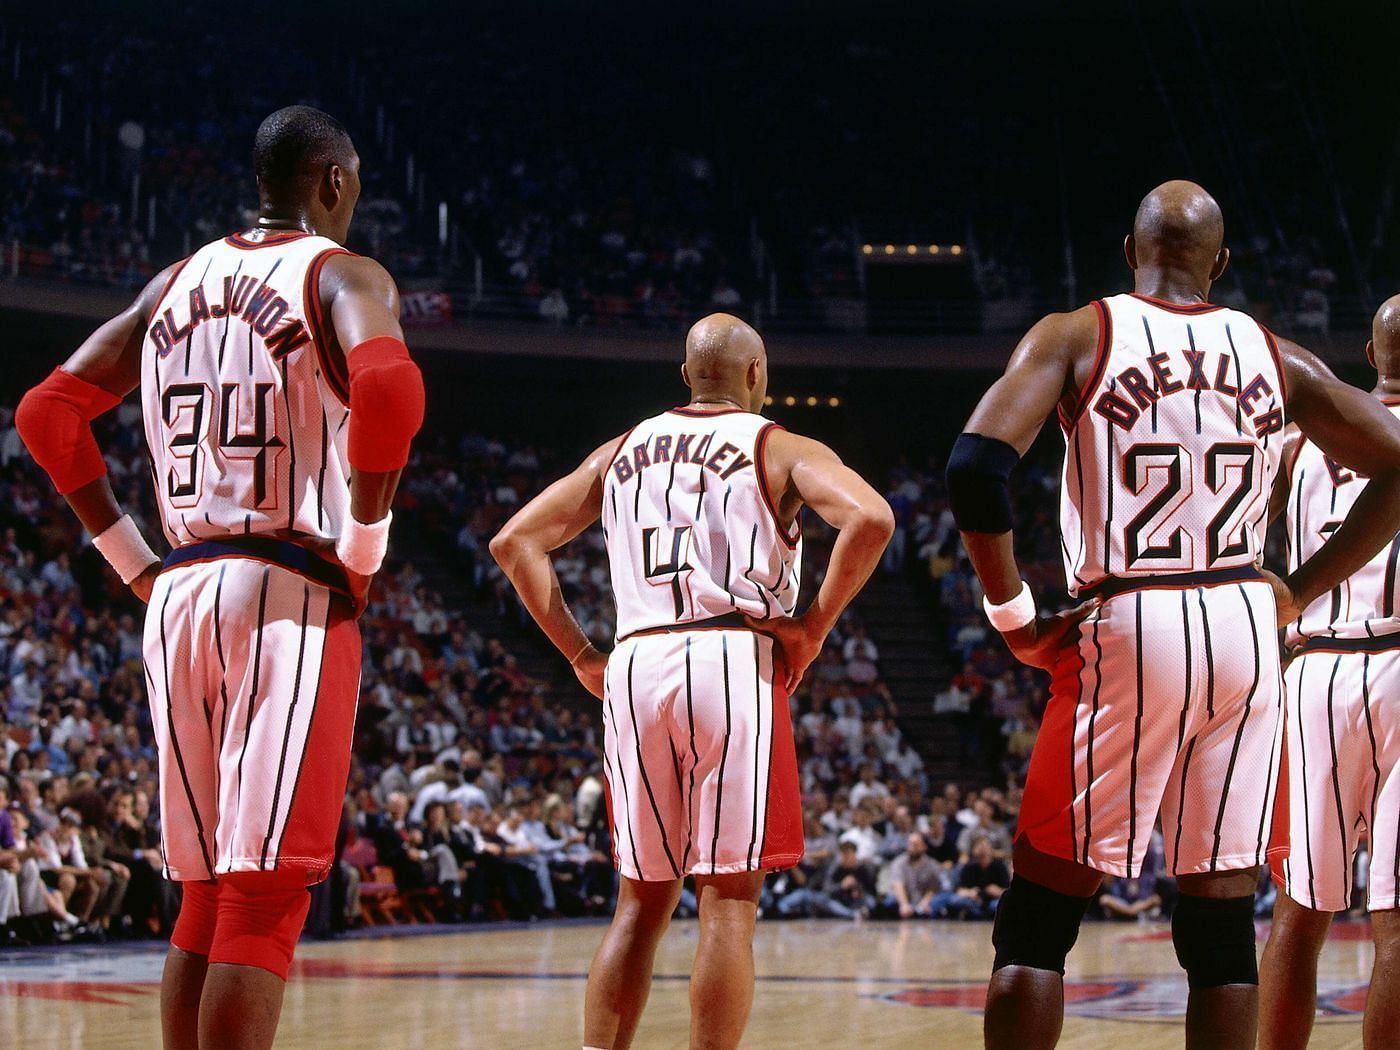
1174, 446
1321, 495
692, 531
245, 403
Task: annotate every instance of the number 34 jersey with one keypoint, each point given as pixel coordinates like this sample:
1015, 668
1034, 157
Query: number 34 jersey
1173, 448
692, 531
245, 406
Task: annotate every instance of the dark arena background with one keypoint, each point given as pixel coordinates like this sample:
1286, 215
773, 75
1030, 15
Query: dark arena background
891, 195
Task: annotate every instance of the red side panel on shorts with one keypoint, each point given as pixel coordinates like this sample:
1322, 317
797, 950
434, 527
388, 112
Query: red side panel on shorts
319, 794
783, 841
1277, 850
1047, 809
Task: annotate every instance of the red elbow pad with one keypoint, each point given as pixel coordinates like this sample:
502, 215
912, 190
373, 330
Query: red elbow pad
386, 404
55, 422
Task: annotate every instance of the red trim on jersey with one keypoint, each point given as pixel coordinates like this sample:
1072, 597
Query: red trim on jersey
1391, 402
169, 283
1276, 852
620, 443
1293, 462
1177, 308
336, 372
237, 240
783, 839
1278, 365
1096, 373
318, 792
682, 410
760, 443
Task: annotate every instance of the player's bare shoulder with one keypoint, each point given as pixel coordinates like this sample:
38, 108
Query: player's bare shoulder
357, 276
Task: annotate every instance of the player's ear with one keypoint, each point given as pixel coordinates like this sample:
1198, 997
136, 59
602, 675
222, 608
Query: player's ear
685, 374
1371, 352
1130, 251
332, 186
753, 376
1222, 260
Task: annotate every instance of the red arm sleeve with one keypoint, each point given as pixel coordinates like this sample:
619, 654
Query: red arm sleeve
55, 422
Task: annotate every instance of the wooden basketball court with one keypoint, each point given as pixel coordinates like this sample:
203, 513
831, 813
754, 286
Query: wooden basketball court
820, 984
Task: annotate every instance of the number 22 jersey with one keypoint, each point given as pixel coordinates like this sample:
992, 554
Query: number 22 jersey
245, 404
692, 531
1173, 448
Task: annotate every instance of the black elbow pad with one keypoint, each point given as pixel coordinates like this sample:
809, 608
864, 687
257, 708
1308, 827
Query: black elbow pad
979, 475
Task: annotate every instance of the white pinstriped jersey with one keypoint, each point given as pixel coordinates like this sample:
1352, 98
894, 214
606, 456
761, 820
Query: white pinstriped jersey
692, 531
1175, 444
1321, 495
245, 409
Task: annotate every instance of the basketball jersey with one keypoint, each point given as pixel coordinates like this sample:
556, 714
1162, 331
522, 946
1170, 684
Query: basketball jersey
1174, 445
245, 407
1319, 499
692, 532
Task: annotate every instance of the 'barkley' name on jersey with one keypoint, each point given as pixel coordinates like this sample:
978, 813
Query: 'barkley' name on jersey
1132, 392
726, 460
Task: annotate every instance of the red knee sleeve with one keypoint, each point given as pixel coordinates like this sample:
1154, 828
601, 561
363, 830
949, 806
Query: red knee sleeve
55, 422
260, 918
194, 929
386, 404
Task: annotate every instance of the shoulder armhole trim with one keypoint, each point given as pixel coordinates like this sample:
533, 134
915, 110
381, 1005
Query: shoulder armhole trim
169, 284
1272, 343
1105, 319
336, 372
790, 538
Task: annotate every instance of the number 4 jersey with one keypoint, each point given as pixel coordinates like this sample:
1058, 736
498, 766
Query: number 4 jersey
245, 403
1174, 445
692, 530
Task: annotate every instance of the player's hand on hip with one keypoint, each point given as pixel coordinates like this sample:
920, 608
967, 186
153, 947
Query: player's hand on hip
1285, 601
143, 584
1041, 641
799, 641
589, 666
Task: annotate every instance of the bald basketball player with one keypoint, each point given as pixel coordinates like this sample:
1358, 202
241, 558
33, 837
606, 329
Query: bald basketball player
1343, 738
1166, 695
699, 507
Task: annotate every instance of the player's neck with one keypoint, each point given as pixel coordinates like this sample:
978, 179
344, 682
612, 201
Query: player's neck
275, 219
1387, 386
1170, 285
716, 403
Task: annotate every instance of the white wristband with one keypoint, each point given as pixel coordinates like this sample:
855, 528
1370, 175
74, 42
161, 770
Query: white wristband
361, 547
125, 549
1012, 615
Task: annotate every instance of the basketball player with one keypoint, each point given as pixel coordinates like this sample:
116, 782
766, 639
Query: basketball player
1342, 733
700, 514
279, 403
1166, 695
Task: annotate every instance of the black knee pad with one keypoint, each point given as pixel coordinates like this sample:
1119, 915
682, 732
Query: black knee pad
1214, 940
1036, 926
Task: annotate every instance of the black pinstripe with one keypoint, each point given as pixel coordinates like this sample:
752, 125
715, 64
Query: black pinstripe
1083, 539
1392, 563
1239, 733
223, 666
723, 757
758, 742
1336, 779
621, 775
1191, 338
748, 573
728, 548
700, 498
321, 477
1307, 819
287, 733
642, 768
1375, 763
1089, 760
175, 740
189, 335
253, 690
1210, 655
1137, 740
1181, 805
223, 339
1186, 705
1108, 509
1298, 528
1269, 785
669, 483
310, 722
1152, 351
1073, 755
1239, 379
291, 451
694, 757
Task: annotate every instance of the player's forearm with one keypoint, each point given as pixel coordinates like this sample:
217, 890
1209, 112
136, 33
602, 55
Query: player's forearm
372, 494
531, 573
96, 505
1372, 523
993, 558
859, 546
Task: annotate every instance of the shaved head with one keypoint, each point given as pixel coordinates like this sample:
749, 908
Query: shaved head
725, 360
1385, 338
1179, 223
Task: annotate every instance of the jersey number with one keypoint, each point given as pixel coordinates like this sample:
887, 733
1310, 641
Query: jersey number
672, 571
186, 410
1172, 465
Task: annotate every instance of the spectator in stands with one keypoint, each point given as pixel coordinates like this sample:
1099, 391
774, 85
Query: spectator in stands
846, 890
982, 880
915, 880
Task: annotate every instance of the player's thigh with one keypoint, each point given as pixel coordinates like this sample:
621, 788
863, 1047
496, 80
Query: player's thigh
646, 678
744, 772
289, 692
1217, 805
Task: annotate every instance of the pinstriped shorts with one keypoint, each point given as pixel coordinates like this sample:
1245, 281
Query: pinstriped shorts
699, 756
1169, 706
253, 675
1342, 783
